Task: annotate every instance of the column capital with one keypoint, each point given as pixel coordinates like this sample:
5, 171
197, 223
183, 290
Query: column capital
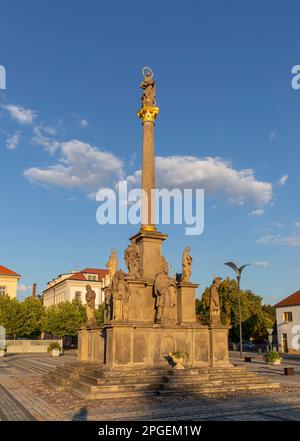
148, 113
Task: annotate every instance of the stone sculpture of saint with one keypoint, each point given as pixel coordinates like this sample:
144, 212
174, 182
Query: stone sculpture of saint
120, 297
165, 293
132, 260
148, 85
112, 264
215, 309
186, 265
107, 304
90, 306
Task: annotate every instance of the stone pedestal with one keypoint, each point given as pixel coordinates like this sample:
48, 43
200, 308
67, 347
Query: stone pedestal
149, 244
186, 311
219, 356
143, 347
90, 345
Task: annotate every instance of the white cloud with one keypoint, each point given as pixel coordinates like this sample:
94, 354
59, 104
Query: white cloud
273, 135
257, 213
13, 141
80, 166
297, 224
215, 175
24, 288
20, 114
40, 137
83, 123
260, 263
292, 240
282, 181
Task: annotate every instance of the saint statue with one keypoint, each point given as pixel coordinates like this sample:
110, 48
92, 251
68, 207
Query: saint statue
107, 304
215, 309
165, 293
120, 297
90, 306
112, 264
148, 85
132, 260
186, 265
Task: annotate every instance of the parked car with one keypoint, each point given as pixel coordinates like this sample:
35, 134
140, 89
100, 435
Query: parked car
248, 347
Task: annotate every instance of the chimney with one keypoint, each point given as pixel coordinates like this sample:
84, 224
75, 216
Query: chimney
34, 290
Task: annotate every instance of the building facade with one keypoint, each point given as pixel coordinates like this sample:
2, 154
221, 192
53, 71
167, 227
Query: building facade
70, 286
8, 282
288, 323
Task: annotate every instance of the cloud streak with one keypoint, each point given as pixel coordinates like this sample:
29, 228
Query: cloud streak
20, 114
80, 166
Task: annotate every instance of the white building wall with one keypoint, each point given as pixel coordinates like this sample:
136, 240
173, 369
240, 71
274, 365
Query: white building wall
66, 292
81, 288
284, 327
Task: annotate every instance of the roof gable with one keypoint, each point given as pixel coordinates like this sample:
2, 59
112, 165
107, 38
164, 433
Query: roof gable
7, 272
291, 300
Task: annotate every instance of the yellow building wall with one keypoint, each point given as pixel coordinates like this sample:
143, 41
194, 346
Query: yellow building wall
11, 283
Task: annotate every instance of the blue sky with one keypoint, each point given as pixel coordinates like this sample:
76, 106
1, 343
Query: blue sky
223, 72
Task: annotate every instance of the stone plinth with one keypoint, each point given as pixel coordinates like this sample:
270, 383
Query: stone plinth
90, 345
138, 346
186, 310
149, 244
219, 346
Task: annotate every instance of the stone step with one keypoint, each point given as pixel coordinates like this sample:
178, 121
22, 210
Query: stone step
54, 384
94, 380
215, 389
129, 374
204, 390
198, 379
90, 388
211, 383
110, 395
208, 377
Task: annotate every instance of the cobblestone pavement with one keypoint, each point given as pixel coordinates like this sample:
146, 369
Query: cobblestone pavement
23, 396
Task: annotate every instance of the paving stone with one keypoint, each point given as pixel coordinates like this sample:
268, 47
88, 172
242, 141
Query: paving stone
23, 396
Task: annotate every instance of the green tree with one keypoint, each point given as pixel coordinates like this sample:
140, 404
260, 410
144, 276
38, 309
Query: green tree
31, 317
256, 318
64, 319
10, 316
100, 315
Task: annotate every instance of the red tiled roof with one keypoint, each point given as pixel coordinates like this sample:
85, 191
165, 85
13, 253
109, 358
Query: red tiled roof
101, 272
80, 276
7, 272
76, 276
292, 300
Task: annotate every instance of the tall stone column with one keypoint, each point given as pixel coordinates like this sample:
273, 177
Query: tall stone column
148, 114
148, 240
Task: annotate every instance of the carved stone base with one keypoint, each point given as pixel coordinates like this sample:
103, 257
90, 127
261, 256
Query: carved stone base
90, 345
186, 310
143, 346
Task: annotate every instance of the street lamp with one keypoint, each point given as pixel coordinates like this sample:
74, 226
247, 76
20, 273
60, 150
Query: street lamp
238, 272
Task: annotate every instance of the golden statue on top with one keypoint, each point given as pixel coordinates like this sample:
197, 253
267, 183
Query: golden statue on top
148, 85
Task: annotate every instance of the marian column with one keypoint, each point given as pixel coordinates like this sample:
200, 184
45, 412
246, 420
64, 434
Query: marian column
147, 115
148, 240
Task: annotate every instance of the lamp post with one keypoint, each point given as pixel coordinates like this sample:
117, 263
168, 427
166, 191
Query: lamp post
238, 272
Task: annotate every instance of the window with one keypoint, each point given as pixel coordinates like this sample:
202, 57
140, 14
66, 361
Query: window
78, 295
287, 316
2, 290
92, 277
